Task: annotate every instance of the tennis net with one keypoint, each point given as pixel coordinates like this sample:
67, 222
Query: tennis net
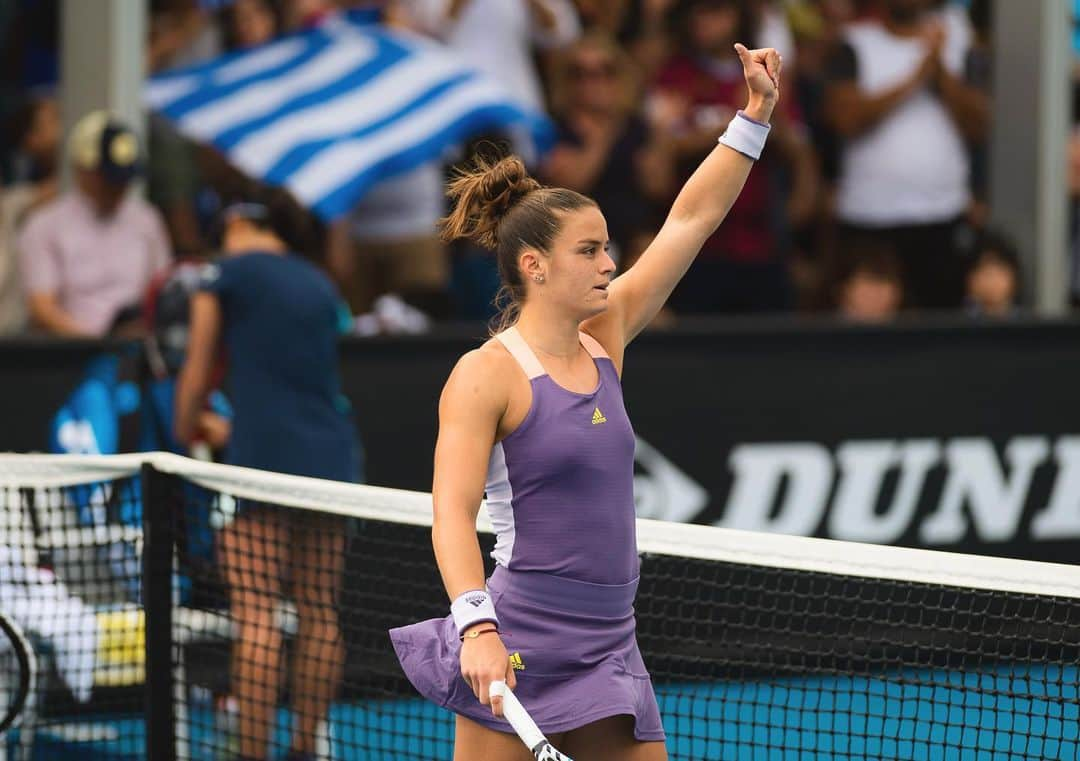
759, 646
70, 566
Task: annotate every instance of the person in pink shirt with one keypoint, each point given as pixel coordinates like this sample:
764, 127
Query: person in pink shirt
88, 257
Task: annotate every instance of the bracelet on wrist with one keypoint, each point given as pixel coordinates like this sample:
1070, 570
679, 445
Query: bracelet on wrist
477, 632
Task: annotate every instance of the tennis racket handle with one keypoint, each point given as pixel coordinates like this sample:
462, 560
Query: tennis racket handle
516, 714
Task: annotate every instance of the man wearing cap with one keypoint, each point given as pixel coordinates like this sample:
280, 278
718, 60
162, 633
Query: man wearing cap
88, 257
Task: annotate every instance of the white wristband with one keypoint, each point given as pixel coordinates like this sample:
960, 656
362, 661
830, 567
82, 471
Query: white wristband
472, 607
746, 135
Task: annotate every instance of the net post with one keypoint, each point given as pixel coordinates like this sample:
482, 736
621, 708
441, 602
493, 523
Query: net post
157, 606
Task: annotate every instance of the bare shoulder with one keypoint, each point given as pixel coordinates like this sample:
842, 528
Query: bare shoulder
481, 379
489, 361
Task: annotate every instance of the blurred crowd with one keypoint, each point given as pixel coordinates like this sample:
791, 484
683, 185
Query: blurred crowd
870, 199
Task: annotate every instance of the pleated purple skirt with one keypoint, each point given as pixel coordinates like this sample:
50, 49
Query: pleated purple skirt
577, 659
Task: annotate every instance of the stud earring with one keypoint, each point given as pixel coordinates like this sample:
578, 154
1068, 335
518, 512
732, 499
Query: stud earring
538, 278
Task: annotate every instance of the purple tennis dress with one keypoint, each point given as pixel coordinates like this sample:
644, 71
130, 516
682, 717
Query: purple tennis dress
560, 496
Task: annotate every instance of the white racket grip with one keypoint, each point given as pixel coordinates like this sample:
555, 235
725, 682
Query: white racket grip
516, 714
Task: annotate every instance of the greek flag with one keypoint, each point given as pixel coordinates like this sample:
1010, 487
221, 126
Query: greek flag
329, 112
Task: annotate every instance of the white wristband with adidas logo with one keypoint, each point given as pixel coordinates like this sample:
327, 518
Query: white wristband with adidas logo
472, 607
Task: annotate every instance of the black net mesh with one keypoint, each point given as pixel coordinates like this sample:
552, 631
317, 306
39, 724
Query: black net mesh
308, 665
70, 578
766, 663
748, 662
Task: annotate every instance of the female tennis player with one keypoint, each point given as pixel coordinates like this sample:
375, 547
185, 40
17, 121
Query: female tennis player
535, 419
279, 318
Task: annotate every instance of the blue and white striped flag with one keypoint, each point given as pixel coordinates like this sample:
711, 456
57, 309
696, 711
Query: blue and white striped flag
329, 112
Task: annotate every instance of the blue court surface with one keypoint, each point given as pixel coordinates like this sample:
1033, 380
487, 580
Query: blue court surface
1023, 713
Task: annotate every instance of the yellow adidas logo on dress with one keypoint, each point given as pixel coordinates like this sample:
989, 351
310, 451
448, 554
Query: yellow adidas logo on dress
516, 663
598, 417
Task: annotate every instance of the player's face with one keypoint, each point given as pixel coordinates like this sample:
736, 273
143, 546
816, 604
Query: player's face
580, 267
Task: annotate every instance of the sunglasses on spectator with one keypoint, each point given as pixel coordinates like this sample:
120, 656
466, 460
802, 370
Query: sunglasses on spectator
599, 71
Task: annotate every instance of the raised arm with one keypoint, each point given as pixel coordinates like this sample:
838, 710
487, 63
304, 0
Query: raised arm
470, 409
704, 201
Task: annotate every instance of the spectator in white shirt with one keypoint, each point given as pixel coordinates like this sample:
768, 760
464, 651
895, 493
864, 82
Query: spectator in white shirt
900, 102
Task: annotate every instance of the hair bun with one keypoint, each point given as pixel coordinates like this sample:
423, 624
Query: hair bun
484, 196
504, 184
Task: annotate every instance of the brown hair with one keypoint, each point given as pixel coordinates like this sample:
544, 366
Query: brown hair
499, 206
869, 257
